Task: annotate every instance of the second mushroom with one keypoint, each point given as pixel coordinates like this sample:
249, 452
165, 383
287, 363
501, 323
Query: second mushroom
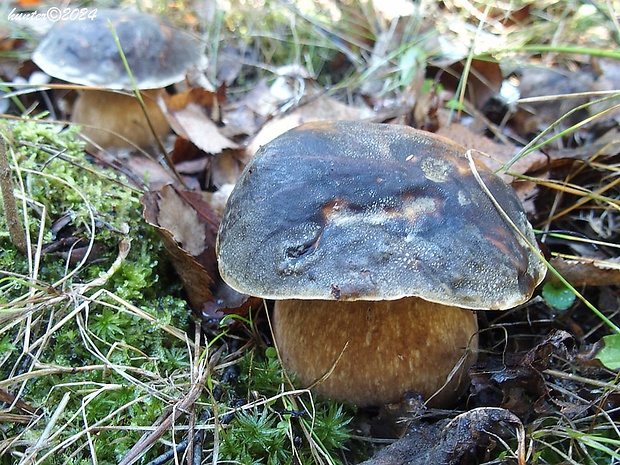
86, 53
376, 242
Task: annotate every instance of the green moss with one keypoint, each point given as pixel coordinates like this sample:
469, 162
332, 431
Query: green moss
275, 432
124, 357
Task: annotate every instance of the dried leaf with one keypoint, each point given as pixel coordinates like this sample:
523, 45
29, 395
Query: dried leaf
201, 97
188, 226
587, 271
483, 82
493, 154
535, 116
608, 79
188, 231
321, 108
247, 115
157, 175
192, 113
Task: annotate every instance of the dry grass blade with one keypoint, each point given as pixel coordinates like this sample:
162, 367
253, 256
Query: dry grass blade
182, 406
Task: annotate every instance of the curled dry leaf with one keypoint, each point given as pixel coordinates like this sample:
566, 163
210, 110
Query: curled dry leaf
188, 236
188, 227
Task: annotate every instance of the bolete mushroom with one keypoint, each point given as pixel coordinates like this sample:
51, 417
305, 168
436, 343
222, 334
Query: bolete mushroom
376, 241
85, 52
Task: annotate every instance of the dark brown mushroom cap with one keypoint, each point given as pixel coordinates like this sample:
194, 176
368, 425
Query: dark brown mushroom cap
84, 52
361, 211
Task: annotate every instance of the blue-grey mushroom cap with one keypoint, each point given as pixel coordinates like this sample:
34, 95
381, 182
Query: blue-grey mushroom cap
362, 211
85, 52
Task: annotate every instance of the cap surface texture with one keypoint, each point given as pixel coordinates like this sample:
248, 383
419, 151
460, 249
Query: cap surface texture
362, 211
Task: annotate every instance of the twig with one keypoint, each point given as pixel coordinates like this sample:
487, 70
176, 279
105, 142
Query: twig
16, 229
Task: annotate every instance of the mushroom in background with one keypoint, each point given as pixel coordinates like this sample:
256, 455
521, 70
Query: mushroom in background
85, 52
376, 242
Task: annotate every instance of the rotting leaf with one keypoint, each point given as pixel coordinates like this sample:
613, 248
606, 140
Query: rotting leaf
519, 380
451, 442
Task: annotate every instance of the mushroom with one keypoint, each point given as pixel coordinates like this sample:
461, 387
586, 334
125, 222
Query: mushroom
85, 52
376, 242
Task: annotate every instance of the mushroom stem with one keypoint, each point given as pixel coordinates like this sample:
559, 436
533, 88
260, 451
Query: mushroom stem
375, 351
113, 119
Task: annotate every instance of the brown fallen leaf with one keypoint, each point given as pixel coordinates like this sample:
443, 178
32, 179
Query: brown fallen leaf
452, 442
318, 107
193, 114
188, 227
246, 115
493, 154
158, 176
188, 231
582, 271
219, 170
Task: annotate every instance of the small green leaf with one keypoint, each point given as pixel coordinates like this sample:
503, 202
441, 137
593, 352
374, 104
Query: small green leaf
558, 296
609, 355
271, 353
454, 104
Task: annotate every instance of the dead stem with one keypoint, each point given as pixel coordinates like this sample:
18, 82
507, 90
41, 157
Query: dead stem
16, 230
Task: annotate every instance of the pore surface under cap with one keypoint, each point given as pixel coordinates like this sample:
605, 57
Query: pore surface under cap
358, 211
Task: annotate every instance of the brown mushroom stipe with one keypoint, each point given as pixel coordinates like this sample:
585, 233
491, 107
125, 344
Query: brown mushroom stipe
310, 346
123, 115
352, 211
85, 52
